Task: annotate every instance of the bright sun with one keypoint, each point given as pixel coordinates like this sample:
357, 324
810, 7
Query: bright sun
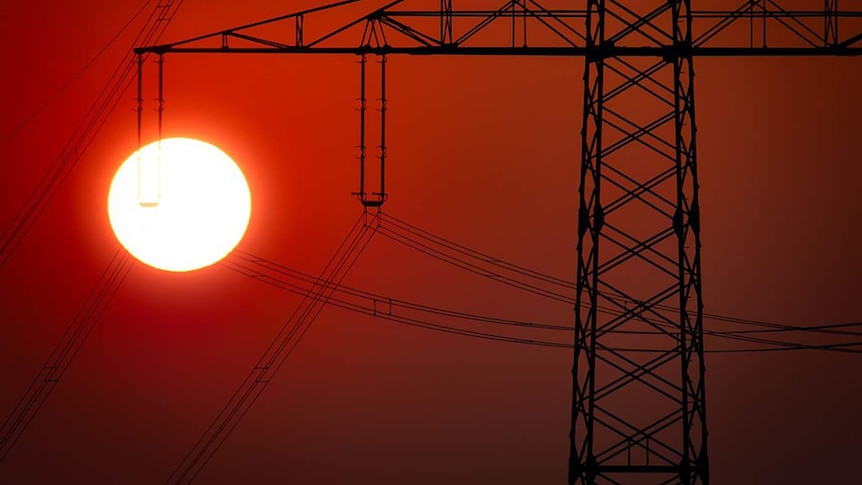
179, 207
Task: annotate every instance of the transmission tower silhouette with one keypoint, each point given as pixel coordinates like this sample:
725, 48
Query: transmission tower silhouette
637, 417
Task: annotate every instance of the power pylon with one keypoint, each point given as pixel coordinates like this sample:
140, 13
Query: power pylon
638, 415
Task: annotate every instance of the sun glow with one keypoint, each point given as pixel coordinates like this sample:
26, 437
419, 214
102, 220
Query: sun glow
180, 205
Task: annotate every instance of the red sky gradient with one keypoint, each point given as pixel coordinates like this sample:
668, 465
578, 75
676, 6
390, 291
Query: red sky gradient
483, 151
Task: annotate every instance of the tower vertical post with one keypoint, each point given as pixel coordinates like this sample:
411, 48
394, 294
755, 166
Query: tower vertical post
694, 466
582, 461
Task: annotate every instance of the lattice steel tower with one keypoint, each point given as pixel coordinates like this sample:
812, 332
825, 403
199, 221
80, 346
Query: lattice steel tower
639, 405
640, 211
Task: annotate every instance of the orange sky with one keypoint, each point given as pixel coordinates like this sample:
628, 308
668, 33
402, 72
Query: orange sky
483, 151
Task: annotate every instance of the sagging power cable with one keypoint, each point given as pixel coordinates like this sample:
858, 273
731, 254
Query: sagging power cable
553, 288
65, 351
291, 333
92, 122
383, 307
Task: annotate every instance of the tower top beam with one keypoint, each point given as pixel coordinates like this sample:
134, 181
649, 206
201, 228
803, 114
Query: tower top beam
607, 52
526, 28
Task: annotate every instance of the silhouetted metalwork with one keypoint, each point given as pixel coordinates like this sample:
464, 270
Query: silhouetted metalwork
620, 191
639, 212
771, 31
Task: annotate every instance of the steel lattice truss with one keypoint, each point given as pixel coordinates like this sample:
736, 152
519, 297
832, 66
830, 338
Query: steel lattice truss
637, 416
530, 27
639, 215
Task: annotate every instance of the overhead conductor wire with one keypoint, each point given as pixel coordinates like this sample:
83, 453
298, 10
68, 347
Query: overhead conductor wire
285, 341
86, 131
477, 262
33, 114
112, 277
65, 351
290, 280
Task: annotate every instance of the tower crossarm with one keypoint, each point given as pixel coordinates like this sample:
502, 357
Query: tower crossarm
530, 27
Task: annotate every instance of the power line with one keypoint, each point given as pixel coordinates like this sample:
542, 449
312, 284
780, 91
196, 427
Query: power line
102, 294
254, 266
281, 347
395, 302
86, 131
411, 232
409, 239
27, 119
246, 270
473, 253
64, 352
